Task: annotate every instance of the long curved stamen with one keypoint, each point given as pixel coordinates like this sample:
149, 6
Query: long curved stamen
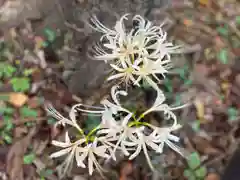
147, 157
51, 110
89, 111
100, 27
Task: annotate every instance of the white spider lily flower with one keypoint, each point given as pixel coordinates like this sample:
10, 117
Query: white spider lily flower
115, 131
110, 127
158, 103
150, 68
162, 49
160, 46
142, 68
121, 43
69, 149
124, 74
109, 109
67, 145
90, 151
126, 49
107, 119
140, 141
98, 26
120, 49
163, 136
108, 106
126, 133
109, 143
165, 53
117, 40
155, 34
119, 28
80, 151
114, 108
62, 120
166, 109
111, 130
147, 27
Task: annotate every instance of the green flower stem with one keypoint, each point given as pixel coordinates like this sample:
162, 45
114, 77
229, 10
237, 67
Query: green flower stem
140, 117
137, 123
81, 132
132, 58
89, 136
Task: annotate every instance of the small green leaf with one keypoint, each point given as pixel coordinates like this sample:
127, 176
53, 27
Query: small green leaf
188, 82
223, 56
46, 172
238, 19
223, 30
27, 112
182, 71
20, 84
1, 73
7, 138
30, 124
177, 100
8, 123
28, 72
28, 159
45, 44
4, 97
235, 42
145, 84
167, 83
51, 35
51, 121
7, 110
189, 174
7, 70
232, 113
194, 160
196, 125
201, 172
222, 97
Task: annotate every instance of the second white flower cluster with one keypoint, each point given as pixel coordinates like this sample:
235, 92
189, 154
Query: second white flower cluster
120, 129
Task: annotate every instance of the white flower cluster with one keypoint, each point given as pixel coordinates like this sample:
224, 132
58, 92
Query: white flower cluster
126, 134
136, 55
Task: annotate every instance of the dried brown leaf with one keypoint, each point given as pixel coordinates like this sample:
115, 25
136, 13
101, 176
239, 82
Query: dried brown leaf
205, 146
15, 155
17, 99
212, 176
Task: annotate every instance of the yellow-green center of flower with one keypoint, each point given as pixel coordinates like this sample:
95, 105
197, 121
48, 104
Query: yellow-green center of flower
136, 122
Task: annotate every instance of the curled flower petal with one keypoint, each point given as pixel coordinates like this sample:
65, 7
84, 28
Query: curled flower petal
61, 152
